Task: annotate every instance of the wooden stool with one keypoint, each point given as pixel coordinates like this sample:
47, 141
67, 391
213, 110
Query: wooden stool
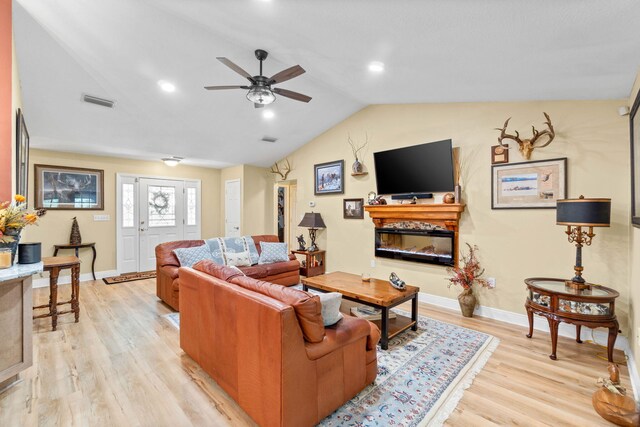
53, 265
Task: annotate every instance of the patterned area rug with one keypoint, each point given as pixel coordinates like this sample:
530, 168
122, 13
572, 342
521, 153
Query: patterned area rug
129, 277
421, 378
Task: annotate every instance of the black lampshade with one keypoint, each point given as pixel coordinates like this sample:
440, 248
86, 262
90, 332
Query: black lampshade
312, 220
584, 212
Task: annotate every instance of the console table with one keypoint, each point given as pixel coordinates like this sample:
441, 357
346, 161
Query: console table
91, 245
594, 308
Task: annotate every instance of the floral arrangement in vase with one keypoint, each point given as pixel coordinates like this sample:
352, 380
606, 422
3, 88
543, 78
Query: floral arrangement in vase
13, 218
468, 273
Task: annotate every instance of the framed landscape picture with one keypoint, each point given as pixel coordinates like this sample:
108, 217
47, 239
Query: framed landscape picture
328, 178
353, 208
635, 162
22, 155
529, 185
67, 188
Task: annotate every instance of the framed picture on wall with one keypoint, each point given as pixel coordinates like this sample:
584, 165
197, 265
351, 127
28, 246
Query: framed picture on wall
353, 208
529, 185
67, 188
635, 162
328, 178
22, 155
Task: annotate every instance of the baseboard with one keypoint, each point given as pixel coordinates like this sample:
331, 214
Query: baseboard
539, 324
41, 280
633, 374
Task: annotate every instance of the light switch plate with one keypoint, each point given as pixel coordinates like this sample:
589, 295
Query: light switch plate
102, 217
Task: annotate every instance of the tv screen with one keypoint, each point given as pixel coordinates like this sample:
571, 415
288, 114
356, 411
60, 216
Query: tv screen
424, 168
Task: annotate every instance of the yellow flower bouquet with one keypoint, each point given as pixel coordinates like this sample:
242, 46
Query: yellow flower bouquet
14, 217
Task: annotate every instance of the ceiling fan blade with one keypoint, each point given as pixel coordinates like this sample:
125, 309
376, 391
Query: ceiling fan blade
287, 74
291, 94
235, 68
225, 87
256, 105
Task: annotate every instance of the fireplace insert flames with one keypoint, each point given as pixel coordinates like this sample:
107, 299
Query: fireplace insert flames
427, 246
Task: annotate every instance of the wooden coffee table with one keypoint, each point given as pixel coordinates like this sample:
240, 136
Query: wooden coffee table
376, 293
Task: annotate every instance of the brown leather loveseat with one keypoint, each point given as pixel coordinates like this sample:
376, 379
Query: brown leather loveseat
267, 347
167, 264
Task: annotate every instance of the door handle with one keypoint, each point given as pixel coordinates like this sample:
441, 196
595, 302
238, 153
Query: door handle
143, 229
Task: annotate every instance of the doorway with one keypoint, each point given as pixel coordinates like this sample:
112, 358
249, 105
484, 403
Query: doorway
232, 207
285, 214
151, 211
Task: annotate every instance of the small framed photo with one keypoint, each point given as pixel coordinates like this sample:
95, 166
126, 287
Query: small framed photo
499, 154
67, 188
529, 185
328, 178
353, 208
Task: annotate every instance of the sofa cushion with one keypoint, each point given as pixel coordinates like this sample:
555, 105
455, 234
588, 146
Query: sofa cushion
330, 307
222, 272
239, 259
281, 267
189, 256
307, 307
255, 271
273, 252
264, 238
220, 246
165, 255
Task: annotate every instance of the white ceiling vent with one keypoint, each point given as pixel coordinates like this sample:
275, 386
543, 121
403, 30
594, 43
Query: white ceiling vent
269, 139
98, 101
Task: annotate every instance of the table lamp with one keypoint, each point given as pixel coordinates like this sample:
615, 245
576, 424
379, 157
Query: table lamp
578, 213
312, 221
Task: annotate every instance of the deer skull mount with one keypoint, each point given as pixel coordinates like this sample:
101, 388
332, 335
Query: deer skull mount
526, 146
286, 168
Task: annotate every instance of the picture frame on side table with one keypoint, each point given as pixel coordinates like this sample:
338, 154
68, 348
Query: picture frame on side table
529, 185
328, 178
353, 208
634, 130
22, 155
68, 188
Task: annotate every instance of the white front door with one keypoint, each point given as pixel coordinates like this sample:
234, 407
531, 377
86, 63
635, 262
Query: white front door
161, 217
232, 208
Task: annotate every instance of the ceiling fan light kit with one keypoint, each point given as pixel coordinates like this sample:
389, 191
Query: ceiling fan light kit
260, 91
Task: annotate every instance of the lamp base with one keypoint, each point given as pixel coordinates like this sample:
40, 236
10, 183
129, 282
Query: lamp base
577, 285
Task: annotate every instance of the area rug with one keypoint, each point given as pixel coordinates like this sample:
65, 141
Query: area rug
421, 377
129, 277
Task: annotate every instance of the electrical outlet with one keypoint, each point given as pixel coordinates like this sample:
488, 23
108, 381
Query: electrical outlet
491, 281
312, 204
373, 263
102, 217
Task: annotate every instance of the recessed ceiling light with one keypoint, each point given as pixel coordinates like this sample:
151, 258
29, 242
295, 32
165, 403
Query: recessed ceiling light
172, 161
376, 66
268, 114
166, 86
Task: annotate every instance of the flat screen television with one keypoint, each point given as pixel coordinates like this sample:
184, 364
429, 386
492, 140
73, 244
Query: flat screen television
424, 168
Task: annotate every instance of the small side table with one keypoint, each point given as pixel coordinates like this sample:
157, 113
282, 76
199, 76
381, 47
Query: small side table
313, 263
53, 265
91, 245
594, 308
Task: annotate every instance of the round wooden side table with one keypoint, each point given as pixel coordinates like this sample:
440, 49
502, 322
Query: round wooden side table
593, 307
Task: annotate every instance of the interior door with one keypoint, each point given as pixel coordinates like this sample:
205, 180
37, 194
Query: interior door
161, 217
232, 208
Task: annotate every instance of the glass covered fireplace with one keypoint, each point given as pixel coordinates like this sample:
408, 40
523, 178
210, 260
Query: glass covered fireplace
432, 246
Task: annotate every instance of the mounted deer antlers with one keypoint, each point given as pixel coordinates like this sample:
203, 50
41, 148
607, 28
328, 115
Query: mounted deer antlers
285, 170
527, 145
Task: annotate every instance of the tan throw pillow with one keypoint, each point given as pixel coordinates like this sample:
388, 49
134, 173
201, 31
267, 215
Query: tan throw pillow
239, 259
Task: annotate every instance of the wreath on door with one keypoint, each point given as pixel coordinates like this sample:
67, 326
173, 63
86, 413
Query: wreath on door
160, 202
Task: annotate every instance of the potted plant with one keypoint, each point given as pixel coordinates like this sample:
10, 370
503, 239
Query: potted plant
466, 274
13, 218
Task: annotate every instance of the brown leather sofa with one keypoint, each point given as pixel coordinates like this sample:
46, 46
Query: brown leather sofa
167, 264
267, 347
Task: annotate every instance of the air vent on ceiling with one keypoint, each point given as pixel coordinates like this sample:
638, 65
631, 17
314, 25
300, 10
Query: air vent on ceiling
98, 101
269, 139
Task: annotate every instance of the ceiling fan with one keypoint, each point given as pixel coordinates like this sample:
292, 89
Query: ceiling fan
260, 91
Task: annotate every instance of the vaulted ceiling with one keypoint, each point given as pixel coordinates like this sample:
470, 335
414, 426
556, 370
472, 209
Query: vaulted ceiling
433, 51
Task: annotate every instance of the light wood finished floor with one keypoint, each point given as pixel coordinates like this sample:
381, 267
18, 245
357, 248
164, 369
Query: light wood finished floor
122, 365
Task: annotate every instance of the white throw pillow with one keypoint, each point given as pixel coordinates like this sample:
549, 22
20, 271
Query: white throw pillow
239, 259
331, 307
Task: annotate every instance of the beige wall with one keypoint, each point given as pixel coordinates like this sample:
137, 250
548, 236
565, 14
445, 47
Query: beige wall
514, 244
257, 205
55, 226
634, 265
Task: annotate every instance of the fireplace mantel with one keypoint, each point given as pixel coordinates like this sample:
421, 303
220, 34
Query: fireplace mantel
443, 215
